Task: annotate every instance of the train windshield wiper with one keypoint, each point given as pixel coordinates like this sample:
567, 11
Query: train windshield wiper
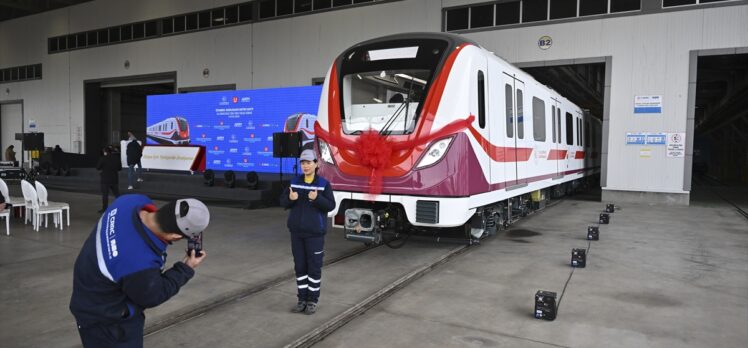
391, 120
404, 105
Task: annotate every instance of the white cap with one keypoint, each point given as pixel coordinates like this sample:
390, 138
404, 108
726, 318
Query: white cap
192, 216
308, 155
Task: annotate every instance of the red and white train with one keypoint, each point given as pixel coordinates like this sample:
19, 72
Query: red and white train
172, 130
304, 123
430, 130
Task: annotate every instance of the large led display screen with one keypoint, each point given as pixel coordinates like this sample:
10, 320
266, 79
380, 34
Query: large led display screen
236, 127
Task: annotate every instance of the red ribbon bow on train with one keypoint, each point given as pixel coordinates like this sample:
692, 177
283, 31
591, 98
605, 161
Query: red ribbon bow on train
375, 150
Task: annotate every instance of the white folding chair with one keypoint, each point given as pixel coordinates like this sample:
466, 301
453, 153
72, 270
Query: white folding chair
41, 192
16, 202
32, 201
6, 214
28, 214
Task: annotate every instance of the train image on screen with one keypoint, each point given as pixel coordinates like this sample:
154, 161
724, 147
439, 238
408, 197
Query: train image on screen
172, 130
304, 123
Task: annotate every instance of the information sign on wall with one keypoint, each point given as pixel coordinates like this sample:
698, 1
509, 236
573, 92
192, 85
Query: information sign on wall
646, 138
676, 144
545, 42
656, 138
636, 139
648, 104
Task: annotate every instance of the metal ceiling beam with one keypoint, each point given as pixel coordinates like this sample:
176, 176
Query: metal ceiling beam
29, 6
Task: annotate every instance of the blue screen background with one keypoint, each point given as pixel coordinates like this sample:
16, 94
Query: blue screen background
236, 127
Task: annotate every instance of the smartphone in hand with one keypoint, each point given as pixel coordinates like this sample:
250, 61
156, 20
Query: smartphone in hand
195, 243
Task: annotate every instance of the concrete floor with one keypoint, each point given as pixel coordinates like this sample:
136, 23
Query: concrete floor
659, 276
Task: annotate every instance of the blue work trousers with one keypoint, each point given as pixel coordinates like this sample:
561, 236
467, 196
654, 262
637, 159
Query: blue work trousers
308, 253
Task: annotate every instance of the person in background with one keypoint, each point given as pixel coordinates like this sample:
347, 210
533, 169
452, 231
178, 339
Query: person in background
58, 157
10, 155
134, 154
109, 166
119, 271
309, 198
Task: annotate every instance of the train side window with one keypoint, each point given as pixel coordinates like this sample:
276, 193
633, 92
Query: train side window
538, 119
569, 129
509, 111
481, 100
520, 116
558, 125
553, 122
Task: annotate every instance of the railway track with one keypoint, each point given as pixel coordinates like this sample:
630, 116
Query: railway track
323, 330
237, 295
705, 182
319, 333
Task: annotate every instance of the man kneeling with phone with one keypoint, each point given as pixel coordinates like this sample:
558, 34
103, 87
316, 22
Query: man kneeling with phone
118, 272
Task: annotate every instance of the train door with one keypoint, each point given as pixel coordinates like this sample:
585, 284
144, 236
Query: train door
514, 136
480, 86
523, 147
579, 153
555, 154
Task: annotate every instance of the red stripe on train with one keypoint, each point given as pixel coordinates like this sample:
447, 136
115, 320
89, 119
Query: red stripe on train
500, 153
557, 154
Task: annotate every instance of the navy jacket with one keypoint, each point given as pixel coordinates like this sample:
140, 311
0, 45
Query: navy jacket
134, 152
109, 167
118, 271
309, 217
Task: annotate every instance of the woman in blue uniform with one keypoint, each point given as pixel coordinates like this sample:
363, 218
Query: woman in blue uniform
309, 198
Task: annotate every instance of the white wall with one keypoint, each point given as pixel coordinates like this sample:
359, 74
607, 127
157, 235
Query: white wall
649, 56
286, 52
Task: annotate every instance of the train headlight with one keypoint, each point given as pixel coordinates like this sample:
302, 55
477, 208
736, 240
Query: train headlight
435, 152
325, 152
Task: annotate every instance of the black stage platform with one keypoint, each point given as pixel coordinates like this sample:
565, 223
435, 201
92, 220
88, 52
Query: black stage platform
158, 185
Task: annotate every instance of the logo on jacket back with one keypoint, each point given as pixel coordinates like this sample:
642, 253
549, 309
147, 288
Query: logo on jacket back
111, 235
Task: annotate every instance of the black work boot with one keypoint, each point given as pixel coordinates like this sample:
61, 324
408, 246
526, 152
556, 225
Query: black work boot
311, 308
300, 307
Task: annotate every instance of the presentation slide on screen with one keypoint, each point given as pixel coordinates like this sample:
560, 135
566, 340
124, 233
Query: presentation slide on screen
236, 127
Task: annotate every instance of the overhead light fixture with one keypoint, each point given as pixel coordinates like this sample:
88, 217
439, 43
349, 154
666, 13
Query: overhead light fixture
359, 77
414, 79
377, 100
219, 19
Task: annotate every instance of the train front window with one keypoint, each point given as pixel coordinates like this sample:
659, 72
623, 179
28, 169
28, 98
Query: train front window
291, 122
384, 101
383, 85
182, 124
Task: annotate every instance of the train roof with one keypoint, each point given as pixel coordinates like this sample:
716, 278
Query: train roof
454, 40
